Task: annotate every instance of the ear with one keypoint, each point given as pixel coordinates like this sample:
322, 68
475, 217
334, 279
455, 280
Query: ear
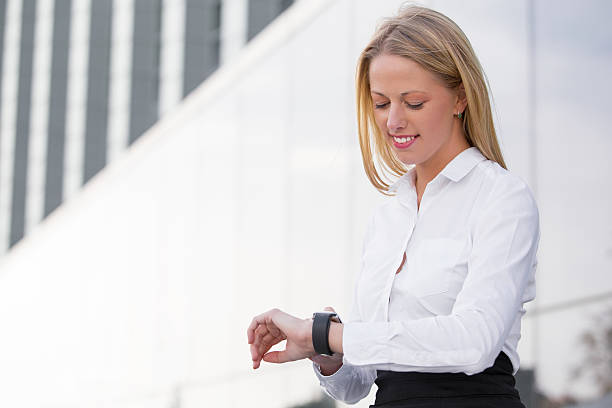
461, 103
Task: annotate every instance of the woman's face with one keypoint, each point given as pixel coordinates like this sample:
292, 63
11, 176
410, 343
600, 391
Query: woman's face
414, 111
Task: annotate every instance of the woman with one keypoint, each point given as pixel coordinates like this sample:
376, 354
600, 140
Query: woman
449, 260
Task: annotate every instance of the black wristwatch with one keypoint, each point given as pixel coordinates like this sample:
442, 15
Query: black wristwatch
320, 331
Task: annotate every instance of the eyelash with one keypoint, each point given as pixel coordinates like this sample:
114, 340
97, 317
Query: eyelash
411, 106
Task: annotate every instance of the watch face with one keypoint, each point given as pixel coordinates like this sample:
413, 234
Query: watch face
333, 316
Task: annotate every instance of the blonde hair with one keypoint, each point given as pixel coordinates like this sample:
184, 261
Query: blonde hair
435, 42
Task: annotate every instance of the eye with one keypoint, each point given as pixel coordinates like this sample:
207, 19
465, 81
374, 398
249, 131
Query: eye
414, 106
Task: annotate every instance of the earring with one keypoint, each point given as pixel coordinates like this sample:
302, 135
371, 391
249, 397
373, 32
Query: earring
459, 115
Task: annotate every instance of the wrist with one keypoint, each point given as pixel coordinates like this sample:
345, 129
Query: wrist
335, 337
308, 338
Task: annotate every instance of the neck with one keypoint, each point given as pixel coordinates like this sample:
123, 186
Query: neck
427, 171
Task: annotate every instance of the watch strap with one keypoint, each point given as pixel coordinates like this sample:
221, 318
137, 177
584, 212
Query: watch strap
320, 332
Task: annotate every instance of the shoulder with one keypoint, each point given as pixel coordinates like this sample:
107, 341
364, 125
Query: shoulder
505, 191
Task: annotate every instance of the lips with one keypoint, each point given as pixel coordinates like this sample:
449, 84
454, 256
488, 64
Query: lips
403, 141
403, 138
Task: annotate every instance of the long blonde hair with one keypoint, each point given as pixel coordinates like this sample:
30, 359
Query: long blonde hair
437, 44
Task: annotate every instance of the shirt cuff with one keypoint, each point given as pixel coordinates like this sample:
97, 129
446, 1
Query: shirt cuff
342, 373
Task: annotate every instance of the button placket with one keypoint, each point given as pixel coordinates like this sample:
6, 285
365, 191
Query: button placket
391, 279
432, 188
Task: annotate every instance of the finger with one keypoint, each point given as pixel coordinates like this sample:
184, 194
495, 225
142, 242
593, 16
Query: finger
251, 330
256, 346
267, 342
264, 345
257, 320
254, 354
276, 357
273, 328
256, 363
329, 309
266, 336
260, 332
261, 346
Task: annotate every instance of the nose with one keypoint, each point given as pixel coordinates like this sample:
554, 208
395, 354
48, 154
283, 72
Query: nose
396, 120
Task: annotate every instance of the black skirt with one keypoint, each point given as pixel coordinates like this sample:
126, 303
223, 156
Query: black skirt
494, 387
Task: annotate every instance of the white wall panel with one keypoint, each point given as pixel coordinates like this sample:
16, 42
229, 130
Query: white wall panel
121, 75
171, 54
233, 35
41, 80
76, 97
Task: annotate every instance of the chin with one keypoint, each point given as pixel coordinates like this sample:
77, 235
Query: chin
407, 159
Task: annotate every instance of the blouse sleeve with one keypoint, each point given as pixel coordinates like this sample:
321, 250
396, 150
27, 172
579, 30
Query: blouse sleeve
351, 383
500, 267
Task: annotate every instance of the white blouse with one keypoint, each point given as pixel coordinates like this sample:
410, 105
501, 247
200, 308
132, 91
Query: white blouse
458, 299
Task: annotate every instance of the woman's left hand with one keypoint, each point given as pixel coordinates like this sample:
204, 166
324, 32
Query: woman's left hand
274, 326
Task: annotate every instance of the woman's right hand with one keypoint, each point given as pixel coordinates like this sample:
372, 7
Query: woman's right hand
328, 364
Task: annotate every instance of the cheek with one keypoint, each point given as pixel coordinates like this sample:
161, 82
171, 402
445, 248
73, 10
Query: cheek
381, 120
433, 122
429, 122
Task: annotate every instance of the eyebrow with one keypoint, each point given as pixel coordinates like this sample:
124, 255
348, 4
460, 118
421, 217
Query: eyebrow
402, 94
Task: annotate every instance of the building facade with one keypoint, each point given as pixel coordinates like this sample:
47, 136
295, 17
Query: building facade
82, 80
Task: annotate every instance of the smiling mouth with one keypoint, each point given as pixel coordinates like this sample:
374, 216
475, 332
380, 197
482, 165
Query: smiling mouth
403, 141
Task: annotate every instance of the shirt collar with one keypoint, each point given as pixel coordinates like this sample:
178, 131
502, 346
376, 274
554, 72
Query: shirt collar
462, 164
455, 170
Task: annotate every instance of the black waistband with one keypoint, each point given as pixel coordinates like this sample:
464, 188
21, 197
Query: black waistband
496, 380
